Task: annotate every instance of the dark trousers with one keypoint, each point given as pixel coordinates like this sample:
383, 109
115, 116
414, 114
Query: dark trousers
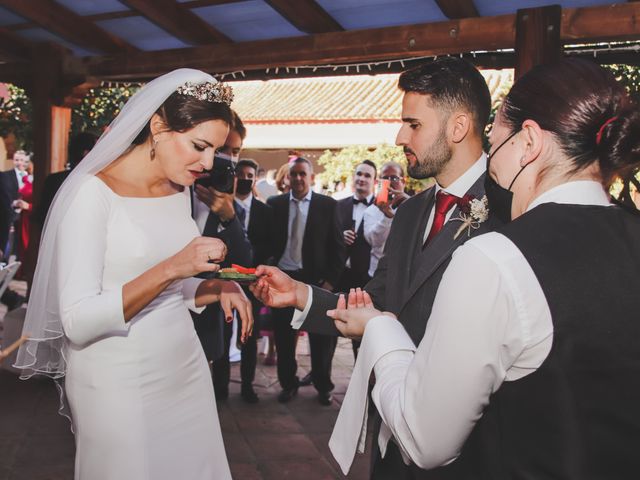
248, 359
322, 349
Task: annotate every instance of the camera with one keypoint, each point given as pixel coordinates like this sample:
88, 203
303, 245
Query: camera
221, 176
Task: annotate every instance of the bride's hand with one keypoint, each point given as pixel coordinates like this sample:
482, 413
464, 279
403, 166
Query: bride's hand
197, 257
351, 315
233, 297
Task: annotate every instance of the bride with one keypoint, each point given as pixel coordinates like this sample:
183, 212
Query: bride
108, 308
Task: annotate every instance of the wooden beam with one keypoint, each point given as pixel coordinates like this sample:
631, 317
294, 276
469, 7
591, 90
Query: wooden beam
306, 15
619, 22
98, 17
58, 19
537, 37
484, 33
179, 21
458, 8
14, 46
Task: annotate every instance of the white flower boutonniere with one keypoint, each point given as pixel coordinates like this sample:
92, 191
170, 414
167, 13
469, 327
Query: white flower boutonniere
473, 212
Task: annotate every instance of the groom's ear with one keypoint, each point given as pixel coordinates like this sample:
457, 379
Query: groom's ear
157, 125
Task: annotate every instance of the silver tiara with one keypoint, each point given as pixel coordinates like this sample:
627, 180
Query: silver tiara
217, 92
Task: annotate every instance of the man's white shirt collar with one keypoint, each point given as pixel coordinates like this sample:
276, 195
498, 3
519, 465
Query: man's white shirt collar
306, 197
463, 183
246, 203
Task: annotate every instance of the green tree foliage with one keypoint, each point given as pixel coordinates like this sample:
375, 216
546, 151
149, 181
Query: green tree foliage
98, 108
339, 165
15, 116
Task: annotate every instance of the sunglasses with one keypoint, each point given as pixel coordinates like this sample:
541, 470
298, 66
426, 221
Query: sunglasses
391, 178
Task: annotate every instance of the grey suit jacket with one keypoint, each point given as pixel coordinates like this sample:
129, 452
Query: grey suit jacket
407, 277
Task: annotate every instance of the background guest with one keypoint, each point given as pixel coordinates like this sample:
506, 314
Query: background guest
309, 246
258, 221
217, 216
79, 145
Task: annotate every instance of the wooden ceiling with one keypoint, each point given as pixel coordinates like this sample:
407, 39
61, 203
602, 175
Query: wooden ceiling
322, 36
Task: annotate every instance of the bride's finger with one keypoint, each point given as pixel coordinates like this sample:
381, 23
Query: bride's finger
340, 315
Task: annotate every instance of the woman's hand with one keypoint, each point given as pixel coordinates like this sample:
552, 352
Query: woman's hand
233, 297
351, 315
197, 257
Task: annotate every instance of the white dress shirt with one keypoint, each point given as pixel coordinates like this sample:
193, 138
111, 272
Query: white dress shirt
458, 188
246, 204
358, 211
376, 230
286, 262
490, 323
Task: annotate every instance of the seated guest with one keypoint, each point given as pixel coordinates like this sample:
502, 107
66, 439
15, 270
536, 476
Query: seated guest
530, 363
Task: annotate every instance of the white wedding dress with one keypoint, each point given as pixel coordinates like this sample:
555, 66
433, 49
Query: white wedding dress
140, 393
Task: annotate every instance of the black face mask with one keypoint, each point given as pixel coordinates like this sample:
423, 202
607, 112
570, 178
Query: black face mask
500, 198
244, 186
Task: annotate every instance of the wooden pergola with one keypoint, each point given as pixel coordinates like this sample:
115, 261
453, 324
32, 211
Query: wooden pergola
81, 49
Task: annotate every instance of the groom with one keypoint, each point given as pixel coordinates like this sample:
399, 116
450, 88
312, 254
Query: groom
445, 109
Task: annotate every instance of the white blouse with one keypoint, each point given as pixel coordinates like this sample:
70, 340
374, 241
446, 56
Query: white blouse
490, 323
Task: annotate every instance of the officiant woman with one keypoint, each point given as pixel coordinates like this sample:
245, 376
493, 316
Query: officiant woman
530, 364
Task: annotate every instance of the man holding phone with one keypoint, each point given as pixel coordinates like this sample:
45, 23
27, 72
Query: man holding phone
217, 215
377, 217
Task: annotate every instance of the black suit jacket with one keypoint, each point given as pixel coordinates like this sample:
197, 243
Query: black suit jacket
260, 232
323, 252
52, 184
8, 193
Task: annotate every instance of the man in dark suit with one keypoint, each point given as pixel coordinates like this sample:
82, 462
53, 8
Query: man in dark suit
79, 146
258, 222
309, 247
351, 224
444, 112
217, 215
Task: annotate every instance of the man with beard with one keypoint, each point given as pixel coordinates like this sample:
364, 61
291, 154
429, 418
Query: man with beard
445, 109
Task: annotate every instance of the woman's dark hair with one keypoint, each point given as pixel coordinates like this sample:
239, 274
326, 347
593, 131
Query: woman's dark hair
183, 112
588, 111
451, 83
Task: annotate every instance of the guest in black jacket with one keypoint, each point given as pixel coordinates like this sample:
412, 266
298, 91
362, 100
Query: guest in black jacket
79, 146
258, 223
309, 247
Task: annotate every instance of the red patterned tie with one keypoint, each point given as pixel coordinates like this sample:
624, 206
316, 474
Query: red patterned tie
444, 202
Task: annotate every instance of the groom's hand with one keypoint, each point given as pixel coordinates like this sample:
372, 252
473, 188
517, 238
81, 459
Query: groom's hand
276, 289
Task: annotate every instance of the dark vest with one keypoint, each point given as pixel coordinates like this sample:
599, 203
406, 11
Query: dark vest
578, 416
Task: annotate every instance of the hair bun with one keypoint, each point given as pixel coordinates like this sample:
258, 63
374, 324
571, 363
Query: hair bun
619, 146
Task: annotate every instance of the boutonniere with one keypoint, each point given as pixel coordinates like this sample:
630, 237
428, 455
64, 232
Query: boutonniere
473, 212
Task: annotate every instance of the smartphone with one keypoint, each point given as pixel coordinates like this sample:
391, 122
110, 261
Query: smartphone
383, 191
221, 177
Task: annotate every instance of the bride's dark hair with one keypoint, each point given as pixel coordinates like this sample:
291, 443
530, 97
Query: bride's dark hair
183, 112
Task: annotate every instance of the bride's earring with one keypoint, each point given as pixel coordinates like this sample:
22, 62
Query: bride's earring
152, 152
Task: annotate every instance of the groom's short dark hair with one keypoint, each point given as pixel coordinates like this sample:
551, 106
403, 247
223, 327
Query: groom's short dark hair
451, 83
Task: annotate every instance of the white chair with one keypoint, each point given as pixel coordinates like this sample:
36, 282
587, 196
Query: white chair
7, 274
12, 331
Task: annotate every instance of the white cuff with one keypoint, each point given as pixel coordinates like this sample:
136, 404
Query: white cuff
300, 316
189, 289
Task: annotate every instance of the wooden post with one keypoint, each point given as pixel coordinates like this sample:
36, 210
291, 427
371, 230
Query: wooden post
60, 127
537, 37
